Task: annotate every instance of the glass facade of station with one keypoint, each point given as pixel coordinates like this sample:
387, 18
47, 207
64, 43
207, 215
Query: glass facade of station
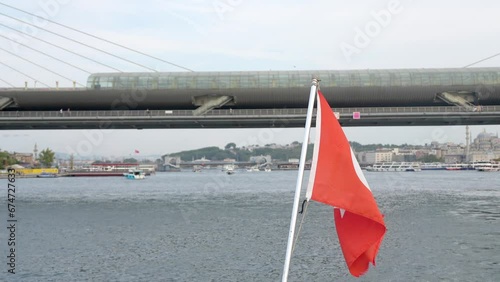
292, 79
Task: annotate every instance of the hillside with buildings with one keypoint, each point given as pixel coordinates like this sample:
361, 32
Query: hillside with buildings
483, 148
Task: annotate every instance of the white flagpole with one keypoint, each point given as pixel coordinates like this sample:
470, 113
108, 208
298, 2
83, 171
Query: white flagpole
298, 186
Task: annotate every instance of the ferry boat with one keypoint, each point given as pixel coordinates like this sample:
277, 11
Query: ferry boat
459, 166
488, 167
395, 166
432, 166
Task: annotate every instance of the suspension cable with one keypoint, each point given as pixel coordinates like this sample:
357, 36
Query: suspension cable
16, 70
480, 61
7, 83
81, 43
40, 66
50, 56
97, 37
62, 48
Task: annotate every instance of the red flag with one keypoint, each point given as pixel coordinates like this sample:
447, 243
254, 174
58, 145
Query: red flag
337, 180
136, 151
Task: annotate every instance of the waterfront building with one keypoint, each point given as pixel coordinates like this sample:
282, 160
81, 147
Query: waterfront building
25, 158
379, 156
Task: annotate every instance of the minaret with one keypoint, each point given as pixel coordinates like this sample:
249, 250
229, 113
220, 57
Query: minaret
467, 143
35, 151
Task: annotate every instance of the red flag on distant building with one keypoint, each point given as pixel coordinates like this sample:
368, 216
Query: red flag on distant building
136, 151
337, 180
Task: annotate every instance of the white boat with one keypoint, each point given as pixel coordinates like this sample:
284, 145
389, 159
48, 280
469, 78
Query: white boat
459, 166
253, 168
488, 167
135, 175
432, 166
229, 169
395, 167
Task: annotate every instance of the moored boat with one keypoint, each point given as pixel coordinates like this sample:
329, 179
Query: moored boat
488, 167
432, 166
395, 167
46, 175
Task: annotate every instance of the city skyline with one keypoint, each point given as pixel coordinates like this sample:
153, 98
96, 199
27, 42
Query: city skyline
260, 137
223, 35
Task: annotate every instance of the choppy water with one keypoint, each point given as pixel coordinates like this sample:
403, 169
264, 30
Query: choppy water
442, 226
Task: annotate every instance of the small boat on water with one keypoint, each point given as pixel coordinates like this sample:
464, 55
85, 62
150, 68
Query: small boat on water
135, 175
46, 175
253, 168
229, 169
395, 167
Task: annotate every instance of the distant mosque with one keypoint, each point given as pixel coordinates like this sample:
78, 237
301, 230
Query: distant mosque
486, 142
485, 147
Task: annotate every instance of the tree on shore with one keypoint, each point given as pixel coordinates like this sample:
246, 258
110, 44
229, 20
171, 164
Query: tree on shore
6, 159
230, 146
46, 157
130, 161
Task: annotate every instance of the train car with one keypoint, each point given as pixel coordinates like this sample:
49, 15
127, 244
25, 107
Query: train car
263, 89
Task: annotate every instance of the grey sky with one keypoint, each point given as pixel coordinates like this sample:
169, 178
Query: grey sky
211, 35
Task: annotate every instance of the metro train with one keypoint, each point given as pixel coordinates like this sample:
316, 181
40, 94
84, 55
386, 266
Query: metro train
263, 89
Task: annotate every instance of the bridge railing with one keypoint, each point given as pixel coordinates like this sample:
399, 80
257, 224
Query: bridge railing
235, 112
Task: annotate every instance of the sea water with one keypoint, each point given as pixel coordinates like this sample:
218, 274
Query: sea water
210, 226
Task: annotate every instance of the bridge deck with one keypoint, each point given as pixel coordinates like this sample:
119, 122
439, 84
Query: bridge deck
243, 118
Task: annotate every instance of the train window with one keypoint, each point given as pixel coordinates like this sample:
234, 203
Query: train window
106, 82
416, 78
142, 82
354, 79
332, 80
304, 79
467, 78
202, 82
395, 79
91, 82
435, 78
191, 81
213, 83
426, 79
264, 80
223, 81
365, 79
405, 78
284, 81
457, 78
248, 81
385, 79
182, 82
343, 79
375, 79
445, 78
163, 82
153, 83
235, 81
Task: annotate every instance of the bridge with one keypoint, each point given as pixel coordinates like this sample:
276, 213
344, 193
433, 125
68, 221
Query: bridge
408, 97
245, 118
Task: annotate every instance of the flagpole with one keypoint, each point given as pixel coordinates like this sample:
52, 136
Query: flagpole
298, 185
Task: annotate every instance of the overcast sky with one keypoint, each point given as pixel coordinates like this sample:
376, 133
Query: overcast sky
223, 35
